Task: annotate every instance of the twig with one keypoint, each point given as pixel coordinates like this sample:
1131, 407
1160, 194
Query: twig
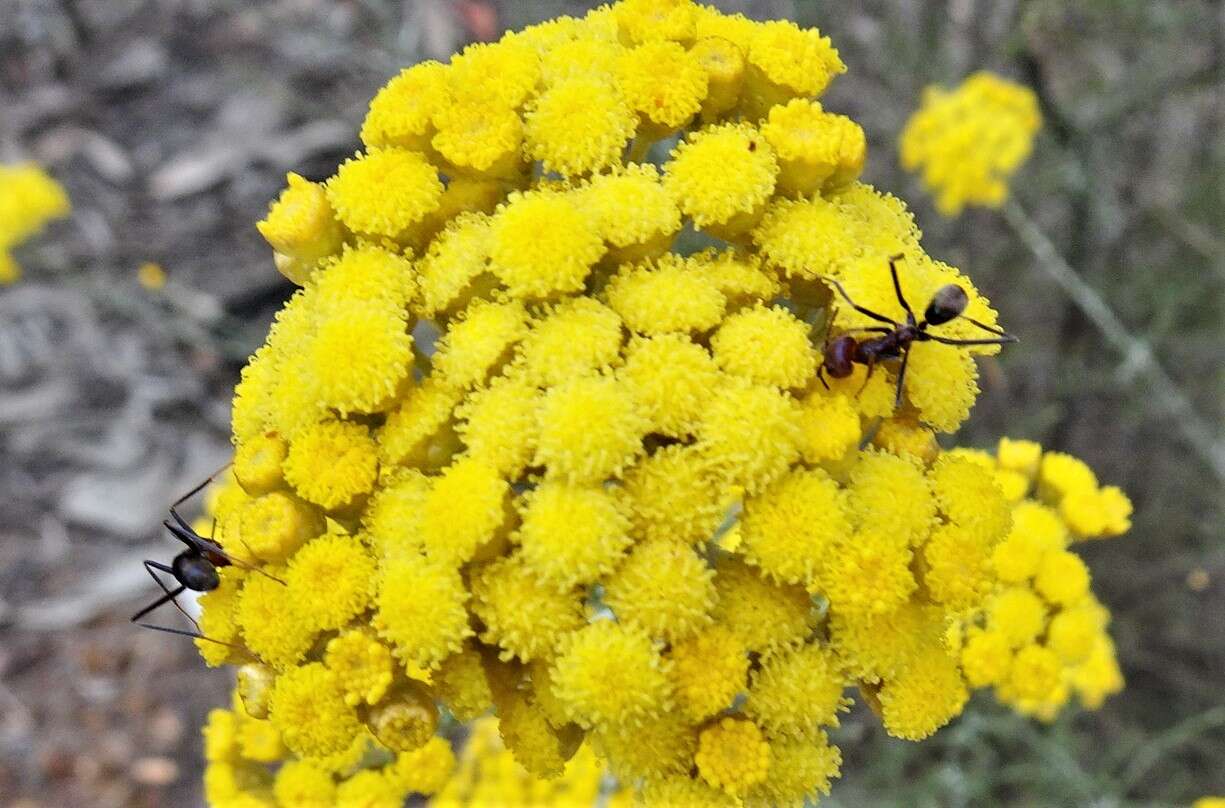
1138, 356
1157, 748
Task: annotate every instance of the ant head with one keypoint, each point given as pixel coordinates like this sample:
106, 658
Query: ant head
195, 572
947, 303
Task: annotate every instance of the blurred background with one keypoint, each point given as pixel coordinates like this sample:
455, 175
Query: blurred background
172, 123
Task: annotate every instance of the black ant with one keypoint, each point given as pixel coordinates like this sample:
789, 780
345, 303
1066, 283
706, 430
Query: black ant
948, 303
195, 568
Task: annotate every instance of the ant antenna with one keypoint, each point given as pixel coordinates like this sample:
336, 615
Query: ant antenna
191, 634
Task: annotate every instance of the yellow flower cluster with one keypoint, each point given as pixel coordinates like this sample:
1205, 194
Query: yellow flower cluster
488, 776
968, 141
1041, 637
507, 450
29, 198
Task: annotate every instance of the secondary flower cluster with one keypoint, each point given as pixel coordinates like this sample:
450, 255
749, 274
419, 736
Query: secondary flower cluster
969, 141
29, 198
1042, 634
512, 449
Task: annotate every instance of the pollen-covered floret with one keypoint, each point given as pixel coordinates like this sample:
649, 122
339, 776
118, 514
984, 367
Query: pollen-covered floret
708, 670
664, 588
572, 534
722, 173
793, 527
421, 610
522, 616
578, 125
383, 193
542, 244
767, 345
608, 674
732, 755
309, 708
590, 429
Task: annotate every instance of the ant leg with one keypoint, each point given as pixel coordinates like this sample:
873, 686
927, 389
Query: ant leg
880, 318
821, 376
186, 634
901, 380
897, 287
1008, 340
168, 596
199, 487
866, 379
989, 329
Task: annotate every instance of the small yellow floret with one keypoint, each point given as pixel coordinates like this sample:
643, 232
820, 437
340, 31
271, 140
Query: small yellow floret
274, 526
665, 104
732, 755
752, 434
309, 709
418, 432
766, 345
301, 223
1018, 614
332, 464
401, 111
672, 378
795, 526
800, 771
499, 424
464, 509
957, 570
578, 125
331, 579
986, 658
798, 60
1062, 578
814, 147
924, 696
574, 338
1034, 675
721, 173
543, 244
257, 463
869, 573
421, 610
609, 674
664, 588
521, 615
761, 615
361, 357
653, 20
478, 137
301, 782
707, 670
276, 629
362, 664
831, 427
590, 429
572, 534
383, 193
405, 719
633, 211
796, 691
1061, 474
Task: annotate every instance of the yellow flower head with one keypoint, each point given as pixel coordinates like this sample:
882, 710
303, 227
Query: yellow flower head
664, 588
542, 244
924, 696
796, 691
578, 125
707, 671
522, 617
733, 755
525, 443
793, 527
664, 105
332, 464
766, 345
572, 534
421, 610
590, 429
308, 707
383, 193
722, 173
29, 198
968, 141
607, 675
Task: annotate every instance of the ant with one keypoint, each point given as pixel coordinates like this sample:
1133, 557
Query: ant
948, 303
194, 568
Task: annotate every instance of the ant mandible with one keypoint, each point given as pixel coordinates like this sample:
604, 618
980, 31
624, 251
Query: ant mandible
948, 303
194, 568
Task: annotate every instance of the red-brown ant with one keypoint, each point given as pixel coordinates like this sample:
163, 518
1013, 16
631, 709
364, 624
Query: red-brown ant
948, 303
195, 568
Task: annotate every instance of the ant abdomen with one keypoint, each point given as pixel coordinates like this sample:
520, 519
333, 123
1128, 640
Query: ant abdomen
946, 304
195, 572
840, 356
